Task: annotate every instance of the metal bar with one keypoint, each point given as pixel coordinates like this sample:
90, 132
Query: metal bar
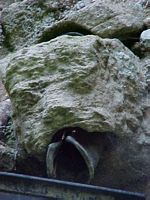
15, 196
58, 189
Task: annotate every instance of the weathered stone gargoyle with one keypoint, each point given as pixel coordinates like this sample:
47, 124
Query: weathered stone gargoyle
80, 101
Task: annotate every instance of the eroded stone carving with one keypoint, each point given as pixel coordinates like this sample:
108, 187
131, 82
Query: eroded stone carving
83, 81
95, 84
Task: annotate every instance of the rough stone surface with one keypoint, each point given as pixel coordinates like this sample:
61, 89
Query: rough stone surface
3, 93
145, 136
7, 158
5, 3
88, 82
95, 84
5, 108
5, 111
29, 22
73, 81
7, 138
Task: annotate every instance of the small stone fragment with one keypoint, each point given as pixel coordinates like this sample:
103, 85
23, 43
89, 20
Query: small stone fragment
145, 38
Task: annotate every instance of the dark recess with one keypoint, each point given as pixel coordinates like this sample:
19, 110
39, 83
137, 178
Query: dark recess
63, 29
109, 139
70, 164
6, 42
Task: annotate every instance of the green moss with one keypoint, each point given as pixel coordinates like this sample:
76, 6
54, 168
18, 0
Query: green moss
79, 86
59, 117
49, 66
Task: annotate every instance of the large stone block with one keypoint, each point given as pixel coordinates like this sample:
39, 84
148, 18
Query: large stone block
29, 22
87, 82
73, 81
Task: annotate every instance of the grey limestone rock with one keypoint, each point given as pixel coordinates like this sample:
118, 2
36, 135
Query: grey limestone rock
59, 74
30, 22
145, 39
5, 3
73, 81
83, 81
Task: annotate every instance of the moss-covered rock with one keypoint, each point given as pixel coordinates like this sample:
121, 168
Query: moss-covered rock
30, 22
86, 82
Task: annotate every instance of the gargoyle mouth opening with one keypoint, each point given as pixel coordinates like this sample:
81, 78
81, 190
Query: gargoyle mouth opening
75, 153
70, 165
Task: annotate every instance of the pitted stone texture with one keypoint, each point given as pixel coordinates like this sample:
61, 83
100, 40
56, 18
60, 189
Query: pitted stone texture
30, 22
86, 82
5, 110
111, 19
144, 138
3, 93
5, 3
7, 158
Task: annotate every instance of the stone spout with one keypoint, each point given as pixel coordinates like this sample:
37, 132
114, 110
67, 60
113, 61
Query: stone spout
73, 159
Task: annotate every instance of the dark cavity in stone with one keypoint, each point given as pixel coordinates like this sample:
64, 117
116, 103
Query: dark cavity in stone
68, 28
75, 153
